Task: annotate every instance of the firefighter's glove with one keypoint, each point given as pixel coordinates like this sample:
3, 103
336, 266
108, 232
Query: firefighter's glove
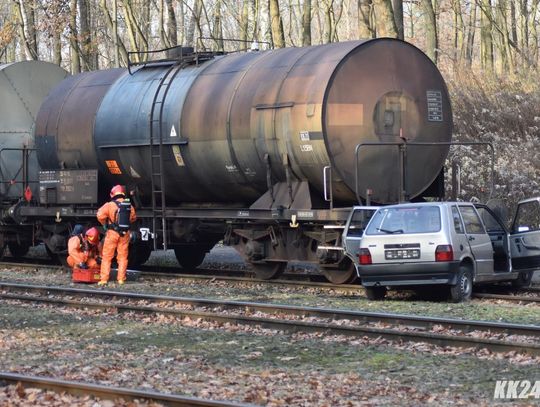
82, 266
98, 260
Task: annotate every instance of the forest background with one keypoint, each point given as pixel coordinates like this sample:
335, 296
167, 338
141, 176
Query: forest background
487, 50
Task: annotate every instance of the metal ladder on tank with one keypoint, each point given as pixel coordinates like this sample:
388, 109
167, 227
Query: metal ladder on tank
159, 204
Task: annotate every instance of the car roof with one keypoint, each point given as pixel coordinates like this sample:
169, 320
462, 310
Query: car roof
416, 204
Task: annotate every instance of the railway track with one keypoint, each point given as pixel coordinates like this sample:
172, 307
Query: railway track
293, 280
395, 327
107, 392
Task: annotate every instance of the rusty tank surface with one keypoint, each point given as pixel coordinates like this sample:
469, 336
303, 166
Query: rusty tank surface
23, 87
236, 124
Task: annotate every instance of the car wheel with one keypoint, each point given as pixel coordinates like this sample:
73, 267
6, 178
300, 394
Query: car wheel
524, 279
463, 289
376, 293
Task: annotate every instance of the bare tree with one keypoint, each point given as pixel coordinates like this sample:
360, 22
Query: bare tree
486, 35
432, 39
244, 24
365, 26
218, 27
385, 22
276, 24
398, 18
25, 14
306, 23
74, 38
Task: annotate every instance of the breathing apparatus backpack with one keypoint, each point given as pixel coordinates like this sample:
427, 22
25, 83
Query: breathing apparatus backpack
122, 215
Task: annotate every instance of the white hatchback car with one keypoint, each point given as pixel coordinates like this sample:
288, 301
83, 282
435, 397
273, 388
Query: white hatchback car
455, 244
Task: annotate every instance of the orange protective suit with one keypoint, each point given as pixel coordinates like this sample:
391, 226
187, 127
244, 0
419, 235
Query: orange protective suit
80, 251
114, 241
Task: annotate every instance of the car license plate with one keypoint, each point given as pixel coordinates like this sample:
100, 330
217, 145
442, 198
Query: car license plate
402, 254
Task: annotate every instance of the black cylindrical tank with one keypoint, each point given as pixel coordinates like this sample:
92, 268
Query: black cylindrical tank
302, 107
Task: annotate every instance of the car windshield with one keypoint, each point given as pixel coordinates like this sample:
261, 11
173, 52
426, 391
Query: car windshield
410, 219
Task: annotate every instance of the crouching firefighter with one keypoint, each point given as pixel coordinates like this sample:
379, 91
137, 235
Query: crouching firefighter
116, 217
83, 248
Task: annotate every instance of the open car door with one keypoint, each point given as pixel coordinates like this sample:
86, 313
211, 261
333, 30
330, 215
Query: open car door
354, 229
525, 236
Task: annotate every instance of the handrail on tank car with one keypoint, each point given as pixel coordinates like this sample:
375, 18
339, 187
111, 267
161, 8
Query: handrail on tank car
402, 148
236, 40
194, 56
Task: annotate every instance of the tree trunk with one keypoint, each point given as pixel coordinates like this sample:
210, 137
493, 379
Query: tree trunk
194, 23
87, 53
471, 31
306, 23
430, 23
171, 24
398, 18
218, 27
57, 47
29, 44
384, 19
73, 38
365, 28
244, 23
459, 49
328, 21
486, 36
276, 25
255, 18
111, 21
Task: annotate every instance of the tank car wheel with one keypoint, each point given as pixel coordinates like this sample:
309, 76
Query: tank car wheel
268, 270
189, 257
18, 250
342, 275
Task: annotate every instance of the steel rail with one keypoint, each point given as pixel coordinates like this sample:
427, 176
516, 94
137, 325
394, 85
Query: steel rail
217, 274
109, 393
454, 339
512, 298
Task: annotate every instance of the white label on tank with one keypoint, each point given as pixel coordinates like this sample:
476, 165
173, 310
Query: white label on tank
134, 173
173, 132
178, 155
304, 136
305, 214
434, 105
306, 148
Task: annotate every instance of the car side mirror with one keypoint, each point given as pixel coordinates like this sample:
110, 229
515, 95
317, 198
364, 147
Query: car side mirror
523, 228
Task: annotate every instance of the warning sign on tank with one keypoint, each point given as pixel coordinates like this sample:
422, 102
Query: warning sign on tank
113, 167
434, 106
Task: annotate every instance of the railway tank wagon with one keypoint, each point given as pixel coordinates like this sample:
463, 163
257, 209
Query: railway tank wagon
23, 87
235, 146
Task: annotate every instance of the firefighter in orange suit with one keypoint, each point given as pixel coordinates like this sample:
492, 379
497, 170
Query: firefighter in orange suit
116, 217
83, 249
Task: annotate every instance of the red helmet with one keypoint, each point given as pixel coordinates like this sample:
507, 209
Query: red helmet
118, 190
92, 235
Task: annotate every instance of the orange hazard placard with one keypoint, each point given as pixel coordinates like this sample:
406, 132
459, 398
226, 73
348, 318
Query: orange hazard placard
113, 167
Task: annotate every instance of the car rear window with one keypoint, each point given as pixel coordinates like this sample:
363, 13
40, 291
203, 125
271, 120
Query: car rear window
411, 219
